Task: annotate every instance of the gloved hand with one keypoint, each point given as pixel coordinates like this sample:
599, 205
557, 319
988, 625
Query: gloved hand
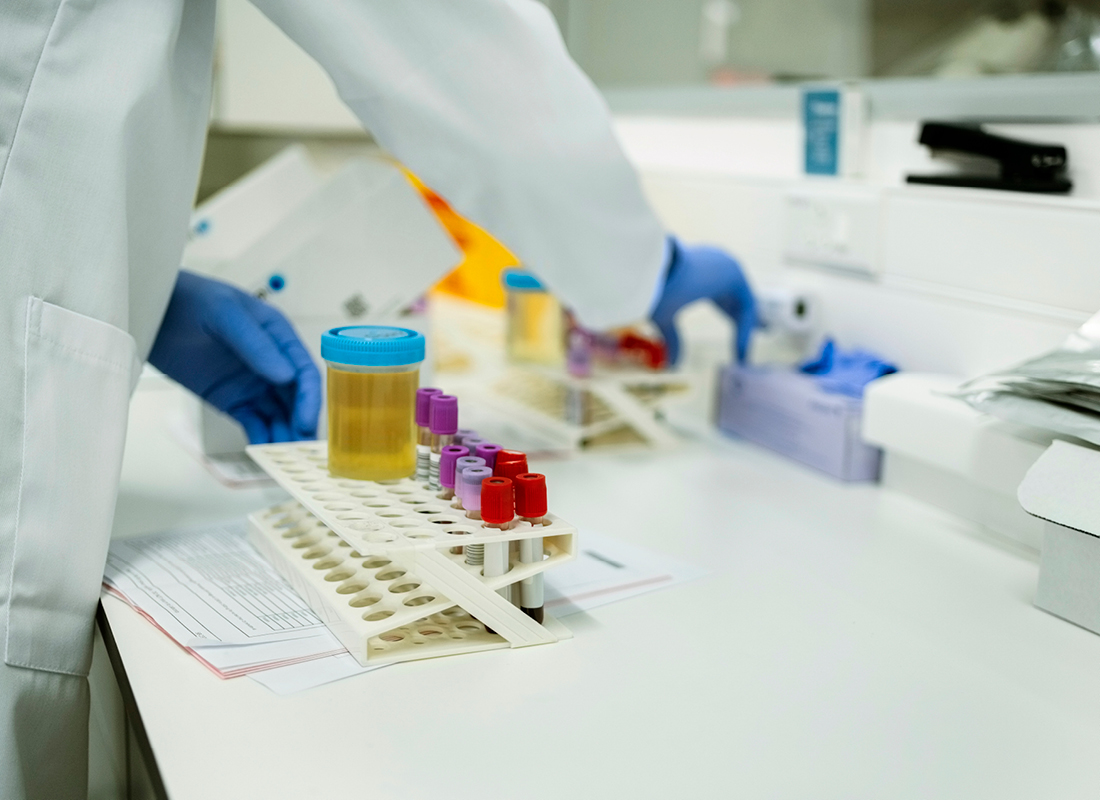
241, 356
696, 272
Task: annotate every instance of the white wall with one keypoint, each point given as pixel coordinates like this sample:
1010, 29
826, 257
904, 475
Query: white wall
264, 81
656, 42
964, 281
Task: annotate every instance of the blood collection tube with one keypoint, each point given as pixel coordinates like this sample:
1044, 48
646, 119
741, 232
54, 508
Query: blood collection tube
578, 355
530, 489
488, 451
443, 422
497, 511
510, 455
423, 433
447, 460
510, 469
471, 478
463, 463
473, 441
464, 433
578, 363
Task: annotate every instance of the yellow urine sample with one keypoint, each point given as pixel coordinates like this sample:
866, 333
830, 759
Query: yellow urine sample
536, 328
371, 424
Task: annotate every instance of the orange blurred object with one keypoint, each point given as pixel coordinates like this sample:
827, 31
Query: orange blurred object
478, 277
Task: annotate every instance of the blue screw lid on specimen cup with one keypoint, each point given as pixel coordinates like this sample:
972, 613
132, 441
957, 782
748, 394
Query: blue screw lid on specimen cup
372, 346
522, 280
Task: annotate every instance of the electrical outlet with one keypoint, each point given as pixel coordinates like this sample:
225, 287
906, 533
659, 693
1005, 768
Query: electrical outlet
835, 228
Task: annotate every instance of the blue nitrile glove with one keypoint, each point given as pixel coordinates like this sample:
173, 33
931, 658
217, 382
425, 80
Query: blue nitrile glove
846, 372
241, 356
696, 272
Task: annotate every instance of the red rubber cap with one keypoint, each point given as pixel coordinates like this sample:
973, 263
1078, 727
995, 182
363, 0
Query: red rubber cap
511, 455
510, 469
498, 503
530, 495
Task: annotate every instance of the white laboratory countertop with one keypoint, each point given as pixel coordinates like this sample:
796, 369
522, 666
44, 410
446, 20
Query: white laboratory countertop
848, 644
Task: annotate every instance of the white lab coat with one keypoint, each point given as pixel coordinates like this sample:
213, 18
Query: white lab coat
103, 106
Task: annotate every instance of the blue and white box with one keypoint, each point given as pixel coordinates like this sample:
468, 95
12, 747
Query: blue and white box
789, 412
833, 119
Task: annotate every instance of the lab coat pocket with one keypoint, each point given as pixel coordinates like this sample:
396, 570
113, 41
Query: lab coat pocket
77, 383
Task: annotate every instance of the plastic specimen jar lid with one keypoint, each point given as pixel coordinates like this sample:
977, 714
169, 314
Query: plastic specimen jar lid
530, 491
372, 346
522, 280
497, 501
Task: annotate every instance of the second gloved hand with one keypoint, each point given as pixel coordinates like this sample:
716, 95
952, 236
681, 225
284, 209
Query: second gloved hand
697, 272
241, 356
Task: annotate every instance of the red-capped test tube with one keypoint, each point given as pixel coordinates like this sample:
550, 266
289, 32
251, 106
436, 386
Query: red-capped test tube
447, 462
443, 422
498, 505
510, 455
530, 490
510, 469
423, 432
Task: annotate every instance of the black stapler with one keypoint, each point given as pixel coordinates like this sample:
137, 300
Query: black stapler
995, 162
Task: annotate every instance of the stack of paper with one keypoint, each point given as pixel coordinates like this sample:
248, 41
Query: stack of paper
221, 601
1058, 391
212, 593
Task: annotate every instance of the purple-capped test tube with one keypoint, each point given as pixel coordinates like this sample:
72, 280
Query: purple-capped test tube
423, 433
443, 422
471, 478
488, 451
473, 441
461, 464
464, 463
451, 453
462, 434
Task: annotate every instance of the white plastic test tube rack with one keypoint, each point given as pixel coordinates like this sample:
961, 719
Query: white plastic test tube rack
619, 407
376, 562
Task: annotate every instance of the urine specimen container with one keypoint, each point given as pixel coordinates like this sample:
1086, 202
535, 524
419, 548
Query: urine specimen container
373, 374
535, 321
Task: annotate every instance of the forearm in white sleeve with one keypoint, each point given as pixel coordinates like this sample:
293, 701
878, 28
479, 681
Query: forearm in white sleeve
482, 101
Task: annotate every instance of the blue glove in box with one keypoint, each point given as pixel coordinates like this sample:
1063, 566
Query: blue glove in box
791, 413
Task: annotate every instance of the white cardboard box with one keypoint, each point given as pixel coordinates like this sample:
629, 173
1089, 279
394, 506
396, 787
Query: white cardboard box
1062, 489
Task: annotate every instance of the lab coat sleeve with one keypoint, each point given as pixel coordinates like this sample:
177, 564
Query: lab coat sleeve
482, 101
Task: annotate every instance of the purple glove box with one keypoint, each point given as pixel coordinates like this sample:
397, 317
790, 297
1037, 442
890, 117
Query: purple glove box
787, 412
